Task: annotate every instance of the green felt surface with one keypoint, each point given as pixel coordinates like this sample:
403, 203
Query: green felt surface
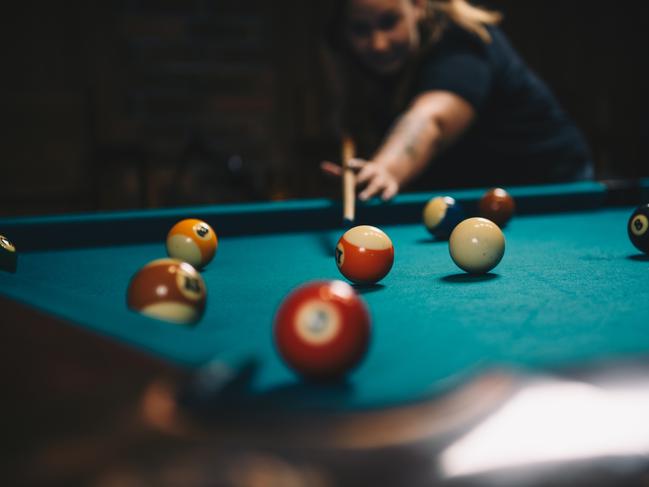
571, 288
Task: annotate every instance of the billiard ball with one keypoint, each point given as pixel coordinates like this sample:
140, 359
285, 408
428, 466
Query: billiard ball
364, 254
192, 241
477, 245
8, 255
322, 329
638, 228
168, 289
498, 206
440, 216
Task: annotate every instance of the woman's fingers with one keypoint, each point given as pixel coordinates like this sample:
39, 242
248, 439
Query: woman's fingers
390, 191
356, 164
372, 189
334, 169
331, 169
367, 173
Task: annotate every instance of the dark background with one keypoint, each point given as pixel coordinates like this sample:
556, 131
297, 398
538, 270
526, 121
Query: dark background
138, 104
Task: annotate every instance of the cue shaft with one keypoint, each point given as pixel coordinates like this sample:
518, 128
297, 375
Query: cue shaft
348, 180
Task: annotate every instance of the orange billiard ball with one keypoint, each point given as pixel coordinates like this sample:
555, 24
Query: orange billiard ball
322, 329
498, 206
364, 254
192, 241
168, 289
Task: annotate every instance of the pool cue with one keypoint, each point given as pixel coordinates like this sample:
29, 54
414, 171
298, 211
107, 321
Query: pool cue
349, 180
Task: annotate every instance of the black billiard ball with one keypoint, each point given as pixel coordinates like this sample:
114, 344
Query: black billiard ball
638, 228
8, 255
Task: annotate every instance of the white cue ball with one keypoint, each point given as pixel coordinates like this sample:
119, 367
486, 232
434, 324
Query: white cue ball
477, 245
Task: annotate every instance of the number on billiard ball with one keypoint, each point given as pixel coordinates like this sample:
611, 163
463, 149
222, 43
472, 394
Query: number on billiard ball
364, 254
322, 329
168, 289
192, 241
638, 228
8, 255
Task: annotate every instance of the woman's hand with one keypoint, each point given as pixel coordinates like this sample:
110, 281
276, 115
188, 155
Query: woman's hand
375, 178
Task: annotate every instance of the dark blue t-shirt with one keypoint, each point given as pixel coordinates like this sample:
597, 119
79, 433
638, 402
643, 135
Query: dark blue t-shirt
521, 135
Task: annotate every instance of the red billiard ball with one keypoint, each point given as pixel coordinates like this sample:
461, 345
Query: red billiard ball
364, 254
192, 241
322, 329
168, 289
498, 206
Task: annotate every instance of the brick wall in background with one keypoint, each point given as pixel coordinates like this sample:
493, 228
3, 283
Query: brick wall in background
196, 89
137, 103
44, 111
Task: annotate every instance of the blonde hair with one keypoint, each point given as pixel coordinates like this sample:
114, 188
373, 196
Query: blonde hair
470, 18
356, 93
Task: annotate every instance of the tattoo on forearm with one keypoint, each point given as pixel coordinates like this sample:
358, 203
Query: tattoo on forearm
409, 130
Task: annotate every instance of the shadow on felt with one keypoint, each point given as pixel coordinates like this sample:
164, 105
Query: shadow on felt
469, 278
639, 257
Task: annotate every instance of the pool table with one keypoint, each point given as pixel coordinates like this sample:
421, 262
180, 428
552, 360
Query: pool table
564, 317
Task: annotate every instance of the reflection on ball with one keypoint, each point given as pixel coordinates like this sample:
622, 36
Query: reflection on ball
364, 254
192, 241
322, 329
441, 215
168, 289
